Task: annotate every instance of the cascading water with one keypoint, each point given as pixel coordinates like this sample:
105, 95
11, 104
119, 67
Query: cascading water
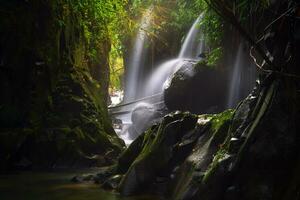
154, 84
159, 76
201, 45
234, 94
189, 48
137, 57
242, 77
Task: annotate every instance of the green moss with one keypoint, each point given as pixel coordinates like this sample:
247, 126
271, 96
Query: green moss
220, 124
220, 119
157, 150
218, 158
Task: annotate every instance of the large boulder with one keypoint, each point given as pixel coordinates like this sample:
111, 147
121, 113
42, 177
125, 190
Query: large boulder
159, 148
197, 88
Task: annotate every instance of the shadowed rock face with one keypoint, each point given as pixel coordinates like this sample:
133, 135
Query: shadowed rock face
198, 88
155, 159
251, 153
52, 105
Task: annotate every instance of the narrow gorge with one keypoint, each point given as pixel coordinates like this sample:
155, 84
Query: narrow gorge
149, 100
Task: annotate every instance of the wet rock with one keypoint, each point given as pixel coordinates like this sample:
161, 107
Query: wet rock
244, 154
130, 154
83, 178
112, 182
105, 173
196, 87
196, 167
157, 152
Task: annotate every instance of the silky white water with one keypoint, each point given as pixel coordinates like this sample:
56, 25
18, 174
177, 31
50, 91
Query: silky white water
159, 76
137, 57
153, 85
188, 49
235, 83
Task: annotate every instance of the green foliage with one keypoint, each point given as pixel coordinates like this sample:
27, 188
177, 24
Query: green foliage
184, 13
116, 72
211, 24
93, 30
97, 20
214, 56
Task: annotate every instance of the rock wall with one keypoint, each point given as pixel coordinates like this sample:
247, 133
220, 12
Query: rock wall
53, 88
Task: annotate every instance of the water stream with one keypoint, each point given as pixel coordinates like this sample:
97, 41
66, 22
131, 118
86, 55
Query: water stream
54, 186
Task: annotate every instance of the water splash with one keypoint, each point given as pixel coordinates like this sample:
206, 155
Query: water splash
137, 57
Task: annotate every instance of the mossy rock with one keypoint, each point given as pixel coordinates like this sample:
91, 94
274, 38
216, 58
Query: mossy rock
52, 84
196, 165
160, 145
158, 156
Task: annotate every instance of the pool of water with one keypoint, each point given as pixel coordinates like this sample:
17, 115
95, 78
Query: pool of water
55, 186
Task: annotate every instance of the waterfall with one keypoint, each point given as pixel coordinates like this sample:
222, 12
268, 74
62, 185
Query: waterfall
242, 78
159, 76
191, 48
137, 57
188, 49
235, 83
201, 45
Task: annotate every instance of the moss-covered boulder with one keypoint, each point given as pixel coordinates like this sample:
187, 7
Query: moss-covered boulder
190, 173
155, 160
161, 144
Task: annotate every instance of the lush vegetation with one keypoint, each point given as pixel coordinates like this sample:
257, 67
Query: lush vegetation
169, 18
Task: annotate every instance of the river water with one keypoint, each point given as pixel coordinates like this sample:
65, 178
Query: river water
54, 186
